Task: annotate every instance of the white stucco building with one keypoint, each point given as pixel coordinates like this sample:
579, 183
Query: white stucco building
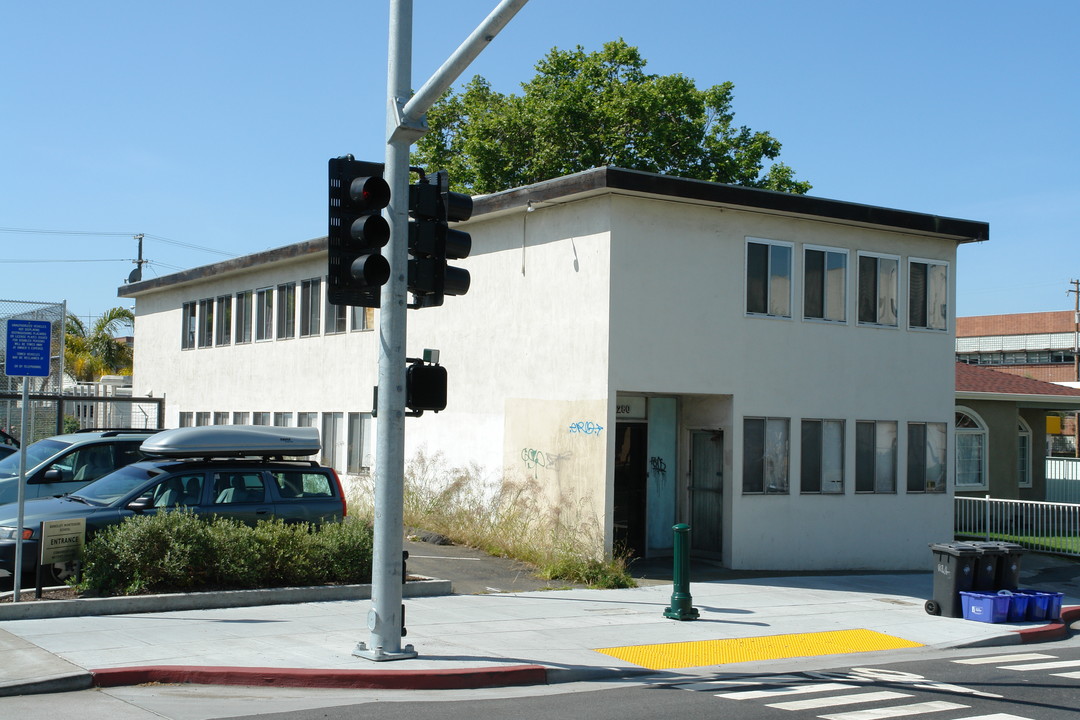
775, 370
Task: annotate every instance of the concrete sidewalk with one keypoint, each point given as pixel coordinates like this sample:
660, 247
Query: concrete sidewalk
506, 638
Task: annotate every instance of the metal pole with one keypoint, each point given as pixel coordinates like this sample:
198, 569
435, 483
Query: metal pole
385, 618
682, 603
24, 440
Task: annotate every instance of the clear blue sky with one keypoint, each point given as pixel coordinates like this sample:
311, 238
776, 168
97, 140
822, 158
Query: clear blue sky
207, 125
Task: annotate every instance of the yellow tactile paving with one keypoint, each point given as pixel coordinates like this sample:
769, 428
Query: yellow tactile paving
669, 656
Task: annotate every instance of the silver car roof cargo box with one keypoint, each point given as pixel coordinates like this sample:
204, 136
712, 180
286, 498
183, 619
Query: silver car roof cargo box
233, 441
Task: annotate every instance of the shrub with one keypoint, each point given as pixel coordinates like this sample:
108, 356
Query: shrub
184, 551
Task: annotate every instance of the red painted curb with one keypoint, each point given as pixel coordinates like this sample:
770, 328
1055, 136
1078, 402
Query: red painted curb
1054, 631
453, 679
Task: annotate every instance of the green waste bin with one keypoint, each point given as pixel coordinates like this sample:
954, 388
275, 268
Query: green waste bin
954, 572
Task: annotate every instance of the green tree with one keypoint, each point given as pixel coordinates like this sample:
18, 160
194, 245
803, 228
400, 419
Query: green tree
92, 352
584, 110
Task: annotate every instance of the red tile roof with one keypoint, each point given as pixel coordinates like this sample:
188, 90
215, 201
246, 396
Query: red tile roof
972, 378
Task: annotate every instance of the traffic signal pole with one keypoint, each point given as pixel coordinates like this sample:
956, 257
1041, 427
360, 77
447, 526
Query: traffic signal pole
404, 125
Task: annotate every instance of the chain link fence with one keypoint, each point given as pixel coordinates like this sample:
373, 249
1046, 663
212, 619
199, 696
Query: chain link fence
44, 414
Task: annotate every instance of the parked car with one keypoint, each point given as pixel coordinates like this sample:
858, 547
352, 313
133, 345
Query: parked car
65, 463
232, 471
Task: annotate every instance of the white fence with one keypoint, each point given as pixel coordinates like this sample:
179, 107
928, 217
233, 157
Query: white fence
1063, 480
1043, 526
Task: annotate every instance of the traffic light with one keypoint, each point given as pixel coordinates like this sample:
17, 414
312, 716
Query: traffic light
357, 232
425, 383
432, 242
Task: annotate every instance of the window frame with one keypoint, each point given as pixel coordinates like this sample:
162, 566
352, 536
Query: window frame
920, 443
1023, 453
223, 320
826, 306
769, 298
878, 298
926, 295
960, 435
781, 457
806, 461
264, 314
242, 318
205, 323
310, 307
188, 325
286, 311
875, 471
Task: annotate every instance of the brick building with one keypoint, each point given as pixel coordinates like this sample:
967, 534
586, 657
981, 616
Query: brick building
1040, 346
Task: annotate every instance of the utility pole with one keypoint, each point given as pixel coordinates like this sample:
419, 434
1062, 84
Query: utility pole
1075, 292
404, 125
136, 274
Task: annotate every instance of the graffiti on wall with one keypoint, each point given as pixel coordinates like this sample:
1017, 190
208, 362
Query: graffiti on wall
659, 469
586, 427
535, 460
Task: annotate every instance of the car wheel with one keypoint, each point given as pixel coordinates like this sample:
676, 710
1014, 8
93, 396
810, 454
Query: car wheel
58, 573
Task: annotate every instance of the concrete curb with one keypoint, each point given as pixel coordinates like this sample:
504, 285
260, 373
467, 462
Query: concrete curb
1054, 631
133, 604
455, 679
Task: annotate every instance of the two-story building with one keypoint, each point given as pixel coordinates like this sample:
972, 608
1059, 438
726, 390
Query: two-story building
775, 370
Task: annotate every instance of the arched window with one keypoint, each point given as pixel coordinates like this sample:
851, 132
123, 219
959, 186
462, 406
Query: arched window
970, 451
1023, 454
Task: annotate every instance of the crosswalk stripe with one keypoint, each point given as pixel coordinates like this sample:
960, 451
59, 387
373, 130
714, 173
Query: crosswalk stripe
1044, 665
1070, 675
996, 716
709, 685
1018, 657
895, 711
837, 700
787, 690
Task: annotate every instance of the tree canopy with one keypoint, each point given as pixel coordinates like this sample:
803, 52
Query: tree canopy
584, 110
92, 352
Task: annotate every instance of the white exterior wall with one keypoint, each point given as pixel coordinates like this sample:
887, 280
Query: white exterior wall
679, 327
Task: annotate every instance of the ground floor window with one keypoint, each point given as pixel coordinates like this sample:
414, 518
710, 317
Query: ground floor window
970, 451
822, 466
765, 455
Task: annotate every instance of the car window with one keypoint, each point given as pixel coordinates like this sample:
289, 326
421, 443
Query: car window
86, 463
178, 490
128, 452
299, 483
36, 454
116, 485
238, 487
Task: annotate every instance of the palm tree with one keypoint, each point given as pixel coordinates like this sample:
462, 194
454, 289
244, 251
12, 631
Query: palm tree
91, 353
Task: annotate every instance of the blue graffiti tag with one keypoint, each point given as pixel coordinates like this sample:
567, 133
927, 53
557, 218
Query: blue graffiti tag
586, 427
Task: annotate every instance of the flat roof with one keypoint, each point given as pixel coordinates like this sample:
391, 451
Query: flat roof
601, 180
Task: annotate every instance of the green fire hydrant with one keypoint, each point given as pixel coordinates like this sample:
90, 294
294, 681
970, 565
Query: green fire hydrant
681, 607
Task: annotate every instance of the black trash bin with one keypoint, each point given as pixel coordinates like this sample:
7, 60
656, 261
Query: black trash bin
986, 569
1008, 568
954, 572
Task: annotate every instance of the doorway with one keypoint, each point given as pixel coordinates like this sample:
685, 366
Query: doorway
706, 491
630, 491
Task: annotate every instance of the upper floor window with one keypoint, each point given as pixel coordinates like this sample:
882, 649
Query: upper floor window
926, 457
768, 277
264, 314
825, 284
206, 323
928, 294
336, 318
878, 284
223, 329
243, 316
310, 307
187, 326
286, 311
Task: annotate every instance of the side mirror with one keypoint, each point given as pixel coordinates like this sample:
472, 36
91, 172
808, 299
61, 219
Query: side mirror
140, 504
52, 475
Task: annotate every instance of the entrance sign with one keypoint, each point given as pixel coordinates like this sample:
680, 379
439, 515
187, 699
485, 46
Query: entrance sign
28, 343
61, 540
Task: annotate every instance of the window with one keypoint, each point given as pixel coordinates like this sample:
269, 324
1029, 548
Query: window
336, 318
360, 436
260, 418
221, 418
243, 316
825, 284
178, 490
186, 419
928, 293
309, 307
878, 281
307, 419
332, 441
1023, 454
297, 483
239, 487
970, 451
283, 419
765, 455
822, 456
286, 311
264, 314
187, 326
926, 457
363, 318
202, 418
223, 331
206, 323
768, 278
875, 456
240, 418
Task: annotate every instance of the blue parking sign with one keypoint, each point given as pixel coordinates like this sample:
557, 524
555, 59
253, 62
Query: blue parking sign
28, 344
